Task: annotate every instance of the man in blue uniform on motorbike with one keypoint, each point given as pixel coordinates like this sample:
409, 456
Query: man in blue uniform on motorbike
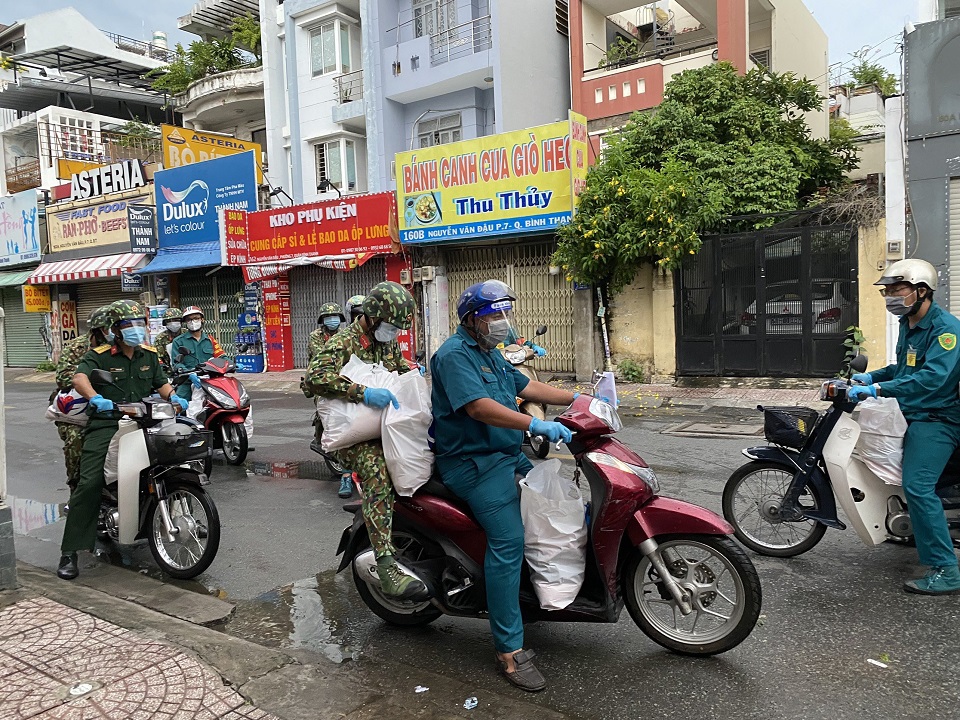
925, 381
478, 437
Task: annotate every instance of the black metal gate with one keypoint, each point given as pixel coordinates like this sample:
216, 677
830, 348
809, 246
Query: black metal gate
765, 303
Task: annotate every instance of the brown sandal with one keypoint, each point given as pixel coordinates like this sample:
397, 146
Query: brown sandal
526, 676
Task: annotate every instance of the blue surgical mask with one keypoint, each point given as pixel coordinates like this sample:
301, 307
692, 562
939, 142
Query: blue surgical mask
331, 322
386, 332
109, 337
134, 336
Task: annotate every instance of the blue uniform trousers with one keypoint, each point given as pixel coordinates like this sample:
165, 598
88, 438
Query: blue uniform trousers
927, 447
489, 486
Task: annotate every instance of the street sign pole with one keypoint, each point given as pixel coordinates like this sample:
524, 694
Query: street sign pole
8, 559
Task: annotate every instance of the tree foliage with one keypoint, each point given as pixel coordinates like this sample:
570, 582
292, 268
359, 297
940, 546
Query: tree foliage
720, 145
245, 31
865, 73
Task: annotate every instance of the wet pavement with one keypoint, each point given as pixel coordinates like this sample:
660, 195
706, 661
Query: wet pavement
826, 614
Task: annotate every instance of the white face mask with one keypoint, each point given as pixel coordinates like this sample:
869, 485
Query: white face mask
386, 332
173, 327
194, 325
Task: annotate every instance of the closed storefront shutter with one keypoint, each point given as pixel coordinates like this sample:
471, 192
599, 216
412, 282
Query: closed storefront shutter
312, 286
22, 331
210, 293
542, 298
92, 295
953, 225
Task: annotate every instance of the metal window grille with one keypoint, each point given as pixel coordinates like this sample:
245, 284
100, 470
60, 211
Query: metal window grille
441, 130
761, 57
563, 17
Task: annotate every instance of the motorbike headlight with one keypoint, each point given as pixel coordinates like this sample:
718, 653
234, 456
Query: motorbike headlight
647, 475
220, 396
607, 413
517, 357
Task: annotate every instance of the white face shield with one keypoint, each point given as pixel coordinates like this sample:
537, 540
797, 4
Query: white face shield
498, 318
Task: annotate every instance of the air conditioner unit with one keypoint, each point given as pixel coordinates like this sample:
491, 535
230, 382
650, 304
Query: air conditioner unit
427, 273
416, 275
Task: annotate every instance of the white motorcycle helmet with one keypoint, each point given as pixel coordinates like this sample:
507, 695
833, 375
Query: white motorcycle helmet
913, 271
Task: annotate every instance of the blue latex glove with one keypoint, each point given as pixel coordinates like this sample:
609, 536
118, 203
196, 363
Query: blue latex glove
865, 378
179, 401
537, 350
859, 392
195, 381
101, 404
379, 398
422, 369
553, 431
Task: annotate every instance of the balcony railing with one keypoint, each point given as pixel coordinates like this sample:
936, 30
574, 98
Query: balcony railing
461, 41
663, 52
141, 48
24, 176
350, 87
69, 142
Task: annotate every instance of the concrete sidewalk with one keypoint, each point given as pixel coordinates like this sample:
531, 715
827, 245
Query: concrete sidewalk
722, 392
69, 651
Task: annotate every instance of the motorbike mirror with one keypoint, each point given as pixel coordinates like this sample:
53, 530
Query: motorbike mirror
101, 377
420, 356
859, 363
182, 351
542, 330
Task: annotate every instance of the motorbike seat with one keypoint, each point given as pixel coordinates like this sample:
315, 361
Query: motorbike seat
434, 486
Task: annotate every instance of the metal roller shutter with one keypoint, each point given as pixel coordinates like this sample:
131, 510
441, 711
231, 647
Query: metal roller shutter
22, 331
542, 298
209, 293
953, 227
312, 286
92, 295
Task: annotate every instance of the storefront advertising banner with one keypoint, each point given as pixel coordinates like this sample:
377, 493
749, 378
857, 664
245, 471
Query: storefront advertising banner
189, 197
36, 298
143, 229
19, 238
517, 182
67, 319
186, 147
93, 226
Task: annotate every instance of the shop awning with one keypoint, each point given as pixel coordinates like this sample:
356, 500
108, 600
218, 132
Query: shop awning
14, 278
195, 255
262, 271
85, 269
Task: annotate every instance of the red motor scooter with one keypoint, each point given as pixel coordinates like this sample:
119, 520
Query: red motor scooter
685, 581
226, 405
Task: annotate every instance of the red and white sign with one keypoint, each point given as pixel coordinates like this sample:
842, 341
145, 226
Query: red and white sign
276, 320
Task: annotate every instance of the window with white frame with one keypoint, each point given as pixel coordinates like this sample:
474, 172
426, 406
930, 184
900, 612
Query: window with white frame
433, 16
330, 48
441, 130
336, 161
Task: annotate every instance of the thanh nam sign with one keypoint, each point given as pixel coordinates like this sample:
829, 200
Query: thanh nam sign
189, 197
93, 226
36, 299
106, 179
186, 147
513, 183
19, 239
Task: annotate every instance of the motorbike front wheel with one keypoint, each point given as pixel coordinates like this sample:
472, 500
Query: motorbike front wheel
722, 583
751, 503
234, 436
197, 540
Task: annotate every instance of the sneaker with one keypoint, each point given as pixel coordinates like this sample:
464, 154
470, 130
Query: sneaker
937, 581
68, 569
346, 486
396, 584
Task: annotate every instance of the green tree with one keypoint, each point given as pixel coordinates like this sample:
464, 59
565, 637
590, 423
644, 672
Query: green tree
196, 62
245, 31
720, 145
865, 73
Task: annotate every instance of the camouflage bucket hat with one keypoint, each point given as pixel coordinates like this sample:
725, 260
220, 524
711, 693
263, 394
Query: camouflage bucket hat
331, 308
391, 303
126, 310
172, 314
100, 319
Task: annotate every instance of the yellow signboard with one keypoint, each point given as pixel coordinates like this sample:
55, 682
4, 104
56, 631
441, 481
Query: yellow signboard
91, 226
36, 298
186, 147
67, 168
508, 184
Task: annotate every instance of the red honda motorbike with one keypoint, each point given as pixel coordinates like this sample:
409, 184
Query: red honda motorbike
685, 581
226, 405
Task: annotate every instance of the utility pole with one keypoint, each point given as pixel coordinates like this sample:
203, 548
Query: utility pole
8, 558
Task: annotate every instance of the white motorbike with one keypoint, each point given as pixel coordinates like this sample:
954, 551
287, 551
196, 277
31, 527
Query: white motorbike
155, 485
782, 501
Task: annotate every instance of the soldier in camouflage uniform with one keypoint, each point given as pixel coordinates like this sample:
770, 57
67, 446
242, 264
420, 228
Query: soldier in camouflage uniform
354, 307
331, 317
372, 338
173, 328
98, 327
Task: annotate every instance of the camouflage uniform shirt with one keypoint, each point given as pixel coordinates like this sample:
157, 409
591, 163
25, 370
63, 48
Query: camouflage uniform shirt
323, 374
318, 338
70, 357
164, 338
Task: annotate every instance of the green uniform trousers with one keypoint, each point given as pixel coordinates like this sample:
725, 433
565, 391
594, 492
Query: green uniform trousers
367, 461
80, 532
72, 437
927, 448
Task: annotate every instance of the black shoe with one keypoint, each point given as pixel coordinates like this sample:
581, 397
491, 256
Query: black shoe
68, 567
315, 446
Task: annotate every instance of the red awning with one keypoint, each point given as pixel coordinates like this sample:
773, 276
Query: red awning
86, 268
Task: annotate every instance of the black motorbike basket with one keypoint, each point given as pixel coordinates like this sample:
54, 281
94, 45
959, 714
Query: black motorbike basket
788, 426
191, 444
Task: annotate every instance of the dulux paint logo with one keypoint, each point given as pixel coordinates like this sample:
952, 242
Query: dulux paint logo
178, 209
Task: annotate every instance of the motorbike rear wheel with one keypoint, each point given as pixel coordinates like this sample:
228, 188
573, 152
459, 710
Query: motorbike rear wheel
751, 503
198, 539
234, 437
398, 612
723, 585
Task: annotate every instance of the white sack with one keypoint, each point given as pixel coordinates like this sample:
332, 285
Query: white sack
405, 435
111, 462
882, 427
68, 407
345, 423
196, 402
248, 423
554, 533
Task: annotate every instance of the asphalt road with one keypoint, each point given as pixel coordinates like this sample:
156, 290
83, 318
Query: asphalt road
825, 614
